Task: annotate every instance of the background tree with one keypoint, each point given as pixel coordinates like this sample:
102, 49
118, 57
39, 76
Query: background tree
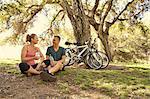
83, 14
101, 16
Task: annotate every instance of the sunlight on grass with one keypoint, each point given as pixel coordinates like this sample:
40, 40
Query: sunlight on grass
8, 62
63, 87
130, 82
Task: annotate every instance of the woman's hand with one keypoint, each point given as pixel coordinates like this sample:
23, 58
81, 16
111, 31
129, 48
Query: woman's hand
36, 57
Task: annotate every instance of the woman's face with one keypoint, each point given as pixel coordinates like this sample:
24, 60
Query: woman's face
35, 39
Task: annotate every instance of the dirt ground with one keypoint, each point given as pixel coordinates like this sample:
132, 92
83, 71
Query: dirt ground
18, 86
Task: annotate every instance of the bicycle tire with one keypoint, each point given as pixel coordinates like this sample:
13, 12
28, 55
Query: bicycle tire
68, 61
104, 58
94, 62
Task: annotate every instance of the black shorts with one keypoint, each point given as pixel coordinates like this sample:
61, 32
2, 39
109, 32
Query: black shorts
47, 62
25, 67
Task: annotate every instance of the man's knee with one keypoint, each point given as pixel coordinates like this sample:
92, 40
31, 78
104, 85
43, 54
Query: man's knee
46, 62
60, 65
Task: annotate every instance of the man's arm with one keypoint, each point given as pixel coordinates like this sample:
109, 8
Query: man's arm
63, 59
63, 56
47, 53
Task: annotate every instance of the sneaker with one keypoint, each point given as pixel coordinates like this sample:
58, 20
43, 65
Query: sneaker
47, 77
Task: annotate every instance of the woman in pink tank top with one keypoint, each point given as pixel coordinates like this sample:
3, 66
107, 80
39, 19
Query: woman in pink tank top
29, 54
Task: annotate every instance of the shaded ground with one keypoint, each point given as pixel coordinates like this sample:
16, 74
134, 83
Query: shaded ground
74, 83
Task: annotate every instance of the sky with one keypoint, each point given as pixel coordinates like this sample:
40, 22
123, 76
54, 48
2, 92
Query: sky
146, 19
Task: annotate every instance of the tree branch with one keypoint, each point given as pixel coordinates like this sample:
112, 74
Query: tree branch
65, 6
101, 11
30, 7
109, 4
55, 17
94, 8
93, 23
33, 14
115, 19
107, 10
92, 20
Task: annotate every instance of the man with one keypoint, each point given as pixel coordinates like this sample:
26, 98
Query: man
55, 57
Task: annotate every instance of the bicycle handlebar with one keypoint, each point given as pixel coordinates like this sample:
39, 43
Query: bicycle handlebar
68, 43
86, 43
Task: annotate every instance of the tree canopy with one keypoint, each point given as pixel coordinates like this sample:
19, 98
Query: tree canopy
102, 15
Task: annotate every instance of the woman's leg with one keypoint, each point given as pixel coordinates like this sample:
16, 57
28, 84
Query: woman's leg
40, 66
27, 69
33, 71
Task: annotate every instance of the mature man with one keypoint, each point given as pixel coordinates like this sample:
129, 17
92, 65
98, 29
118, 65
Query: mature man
55, 57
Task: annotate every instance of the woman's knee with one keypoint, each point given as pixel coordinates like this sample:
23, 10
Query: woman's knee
24, 67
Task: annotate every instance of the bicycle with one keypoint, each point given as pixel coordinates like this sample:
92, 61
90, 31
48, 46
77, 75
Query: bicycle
86, 53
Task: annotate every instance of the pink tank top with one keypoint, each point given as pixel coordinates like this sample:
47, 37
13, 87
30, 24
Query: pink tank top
31, 53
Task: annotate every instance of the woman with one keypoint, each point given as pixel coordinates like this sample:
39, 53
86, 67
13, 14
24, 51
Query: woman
29, 54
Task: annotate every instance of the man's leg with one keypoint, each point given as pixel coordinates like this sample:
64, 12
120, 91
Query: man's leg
45, 76
55, 68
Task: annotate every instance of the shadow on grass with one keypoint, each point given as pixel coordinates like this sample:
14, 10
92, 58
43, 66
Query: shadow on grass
114, 81
126, 82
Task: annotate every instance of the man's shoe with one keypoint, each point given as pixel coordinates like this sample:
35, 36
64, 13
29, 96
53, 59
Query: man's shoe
47, 77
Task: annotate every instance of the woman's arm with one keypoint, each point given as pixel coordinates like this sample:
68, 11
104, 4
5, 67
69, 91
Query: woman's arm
41, 56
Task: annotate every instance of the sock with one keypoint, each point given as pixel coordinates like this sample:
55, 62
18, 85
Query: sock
49, 72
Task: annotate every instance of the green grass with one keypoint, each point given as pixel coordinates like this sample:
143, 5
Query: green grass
9, 66
8, 62
131, 82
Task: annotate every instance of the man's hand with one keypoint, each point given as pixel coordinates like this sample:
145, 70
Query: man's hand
53, 63
60, 62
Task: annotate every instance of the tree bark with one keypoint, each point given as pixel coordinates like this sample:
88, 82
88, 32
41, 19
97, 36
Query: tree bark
104, 39
79, 21
103, 34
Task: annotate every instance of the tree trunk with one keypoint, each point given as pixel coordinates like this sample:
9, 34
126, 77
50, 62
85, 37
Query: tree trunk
82, 31
104, 39
79, 21
103, 36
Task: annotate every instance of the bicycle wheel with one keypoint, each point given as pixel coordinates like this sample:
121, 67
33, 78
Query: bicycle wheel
104, 58
94, 60
68, 60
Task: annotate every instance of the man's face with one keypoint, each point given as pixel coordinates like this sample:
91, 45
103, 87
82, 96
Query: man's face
56, 41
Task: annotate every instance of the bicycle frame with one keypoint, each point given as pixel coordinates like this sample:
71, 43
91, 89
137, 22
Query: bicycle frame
85, 47
86, 53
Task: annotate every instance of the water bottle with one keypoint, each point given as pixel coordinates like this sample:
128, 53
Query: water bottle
51, 58
37, 54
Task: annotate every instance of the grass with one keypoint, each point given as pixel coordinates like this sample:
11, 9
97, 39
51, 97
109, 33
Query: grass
131, 82
9, 66
9, 62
